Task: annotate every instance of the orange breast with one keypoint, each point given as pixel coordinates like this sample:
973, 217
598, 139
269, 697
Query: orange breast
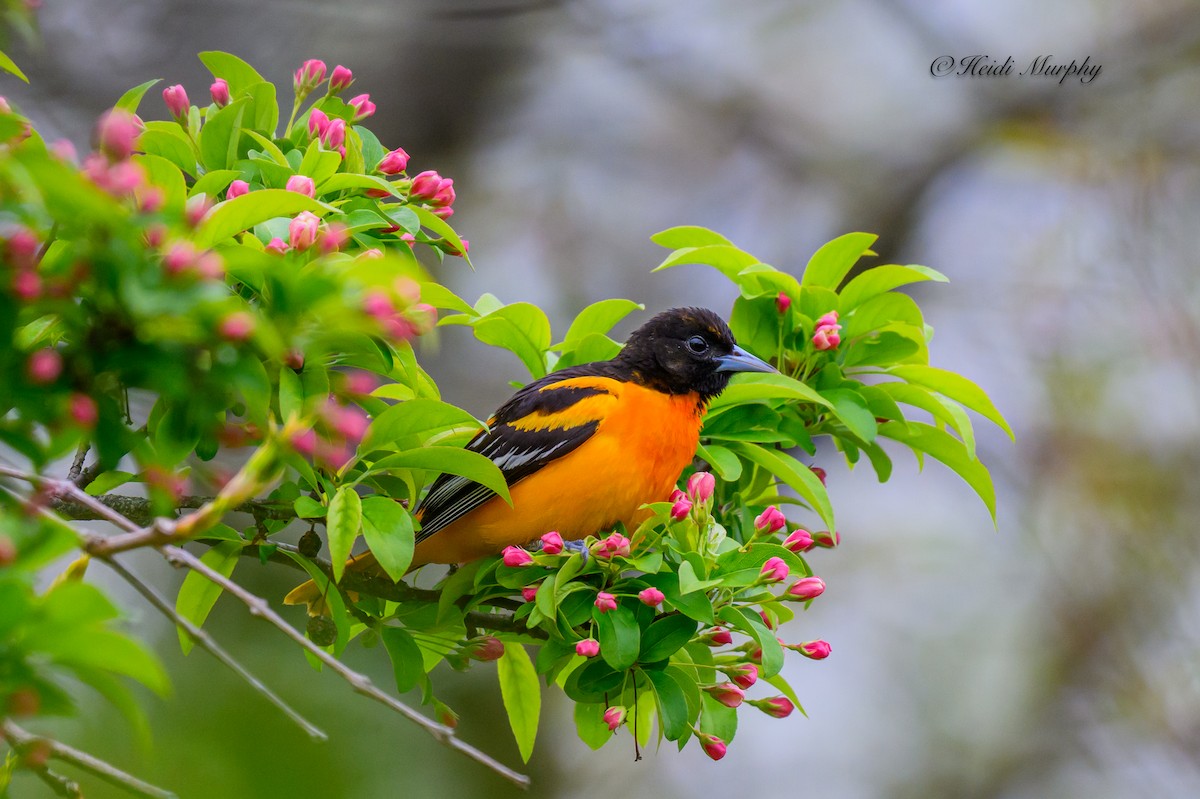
643, 443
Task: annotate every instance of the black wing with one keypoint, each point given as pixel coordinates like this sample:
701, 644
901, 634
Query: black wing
535, 427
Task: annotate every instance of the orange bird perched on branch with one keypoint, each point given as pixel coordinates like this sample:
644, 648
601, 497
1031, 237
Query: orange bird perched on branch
584, 447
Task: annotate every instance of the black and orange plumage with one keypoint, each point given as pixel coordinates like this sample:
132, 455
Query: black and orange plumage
584, 447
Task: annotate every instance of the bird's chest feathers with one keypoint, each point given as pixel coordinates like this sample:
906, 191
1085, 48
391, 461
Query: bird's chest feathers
655, 437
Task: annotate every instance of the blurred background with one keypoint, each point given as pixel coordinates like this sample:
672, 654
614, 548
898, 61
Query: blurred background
1056, 657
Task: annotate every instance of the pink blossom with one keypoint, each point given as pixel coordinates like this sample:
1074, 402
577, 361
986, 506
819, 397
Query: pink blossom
614, 717
302, 230
350, 423
529, 592
236, 326
196, 208
310, 75
394, 163
485, 648
713, 746
816, 650
444, 213
378, 304
587, 648
700, 486
605, 602
819, 472
719, 636
774, 570
219, 92
363, 107
828, 320
293, 359
799, 541
236, 189
301, 184
743, 675
117, 134
616, 545
277, 246
26, 285
681, 509
179, 258
83, 410
770, 520
827, 539
779, 707
317, 122
44, 366
552, 543
340, 79
425, 185
374, 252
359, 382
177, 102
304, 442
651, 597
333, 238
782, 302
726, 693
445, 194
515, 557
806, 588
334, 135
826, 338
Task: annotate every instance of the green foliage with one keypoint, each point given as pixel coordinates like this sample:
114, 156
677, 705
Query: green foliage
288, 323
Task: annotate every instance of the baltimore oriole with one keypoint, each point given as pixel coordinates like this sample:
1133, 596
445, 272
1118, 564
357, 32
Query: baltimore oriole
584, 447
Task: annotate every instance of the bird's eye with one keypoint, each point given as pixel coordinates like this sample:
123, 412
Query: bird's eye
697, 345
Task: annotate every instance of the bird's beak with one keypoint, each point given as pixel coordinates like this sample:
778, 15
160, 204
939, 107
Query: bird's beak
741, 361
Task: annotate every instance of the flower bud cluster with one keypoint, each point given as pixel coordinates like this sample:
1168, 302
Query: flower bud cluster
826, 336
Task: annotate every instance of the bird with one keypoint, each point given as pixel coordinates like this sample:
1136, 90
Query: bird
583, 448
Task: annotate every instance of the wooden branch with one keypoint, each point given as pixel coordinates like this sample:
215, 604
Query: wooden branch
139, 509
24, 742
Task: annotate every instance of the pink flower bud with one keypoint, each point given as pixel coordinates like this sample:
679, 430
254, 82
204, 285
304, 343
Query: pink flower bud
588, 648
301, 184
196, 208
552, 543
117, 134
529, 592
236, 326
454, 250
310, 75
363, 107
150, 199
766, 620
425, 185
826, 338
743, 674
444, 195
317, 122
605, 602
779, 707
819, 472
374, 252
782, 302
651, 597
44, 366
304, 442
726, 693
806, 588
713, 746
700, 486
394, 163
26, 285
121, 179
681, 509
302, 230
333, 238
444, 213
614, 717
277, 246
613, 546
180, 258
340, 79
515, 557
236, 189
676, 495
334, 135
770, 520
828, 320
220, 92
485, 648
83, 410
775, 570
827, 539
177, 102
378, 304
64, 150
350, 423
719, 636
294, 360
816, 650
799, 541
210, 266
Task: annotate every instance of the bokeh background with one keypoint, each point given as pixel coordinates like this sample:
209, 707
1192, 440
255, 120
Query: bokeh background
1056, 657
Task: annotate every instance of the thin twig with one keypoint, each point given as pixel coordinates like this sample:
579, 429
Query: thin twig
77, 464
23, 741
359, 682
139, 509
207, 642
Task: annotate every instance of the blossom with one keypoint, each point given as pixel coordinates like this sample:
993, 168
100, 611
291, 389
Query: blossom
363, 107
826, 338
770, 520
515, 556
713, 746
819, 472
726, 693
779, 707
806, 588
588, 648
615, 716
816, 650
827, 539
613, 546
425, 185
117, 134
44, 366
236, 326
302, 184
775, 570
177, 102
236, 189
782, 302
340, 79
302, 230
552, 543
828, 320
485, 648
681, 509
799, 541
334, 134
277, 246
529, 592
743, 675
719, 636
318, 121
83, 410
605, 602
700, 486
219, 92
651, 597
394, 162
310, 75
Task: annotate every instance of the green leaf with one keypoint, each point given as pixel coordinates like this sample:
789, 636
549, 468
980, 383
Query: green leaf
851, 409
131, 99
263, 109
833, 261
950, 451
884, 278
220, 134
522, 696
696, 605
754, 387
725, 258
438, 226
749, 622
308, 508
211, 184
795, 474
590, 724
10, 66
388, 530
422, 418
439, 296
523, 329
343, 524
110, 651
107, 481
198, 594
451, 460
722, 460
672, 704
687, 236
270, 148
342, 181
407, 661
956, 387
319, 164
665, 636
619, 636
785, 688
599, 317
234, 216
169, 146
236, 72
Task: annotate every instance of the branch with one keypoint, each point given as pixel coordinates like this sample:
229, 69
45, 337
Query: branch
140, 510
207, 642
77, 464
24, 742
177, 556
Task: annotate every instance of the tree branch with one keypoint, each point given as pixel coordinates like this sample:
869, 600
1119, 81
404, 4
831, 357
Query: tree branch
24, 742
207, 642
139, 509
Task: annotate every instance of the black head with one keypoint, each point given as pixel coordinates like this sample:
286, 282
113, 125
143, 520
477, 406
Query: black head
687, 349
